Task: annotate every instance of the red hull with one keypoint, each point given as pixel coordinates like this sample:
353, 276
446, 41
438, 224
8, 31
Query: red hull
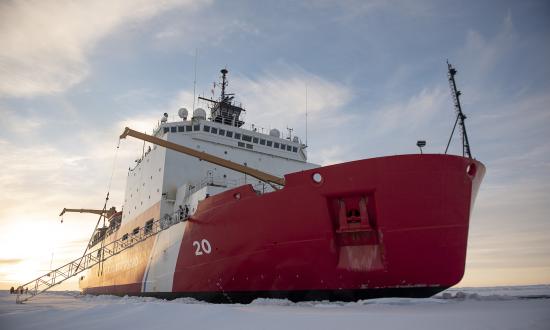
389, 226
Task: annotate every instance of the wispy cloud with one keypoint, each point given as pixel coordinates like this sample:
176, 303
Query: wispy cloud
419, 109
277, 97
10, 261
46, 44
210, 31
357, 9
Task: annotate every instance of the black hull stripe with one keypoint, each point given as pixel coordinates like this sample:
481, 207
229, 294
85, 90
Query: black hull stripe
245, 297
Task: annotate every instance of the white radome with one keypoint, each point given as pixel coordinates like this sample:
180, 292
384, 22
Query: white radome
183, 113
199, 113
274, 132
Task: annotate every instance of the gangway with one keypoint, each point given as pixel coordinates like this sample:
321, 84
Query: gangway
87, 261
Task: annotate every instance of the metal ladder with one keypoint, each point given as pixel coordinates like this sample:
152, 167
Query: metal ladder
91, 259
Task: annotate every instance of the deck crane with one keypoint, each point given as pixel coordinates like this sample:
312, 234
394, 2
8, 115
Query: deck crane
260, 175
99, 255
107, 213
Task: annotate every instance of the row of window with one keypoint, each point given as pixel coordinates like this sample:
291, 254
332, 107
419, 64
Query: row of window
248, 138
230, 134
148, 228
186, 128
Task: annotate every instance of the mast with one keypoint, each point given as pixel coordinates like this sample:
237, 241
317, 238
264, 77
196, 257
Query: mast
460, 117
224, 110
224, 82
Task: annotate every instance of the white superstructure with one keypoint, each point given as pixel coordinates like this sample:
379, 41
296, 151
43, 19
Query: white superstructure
169, 179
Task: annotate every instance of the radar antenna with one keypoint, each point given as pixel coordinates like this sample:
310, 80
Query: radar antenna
459, 114
224, 110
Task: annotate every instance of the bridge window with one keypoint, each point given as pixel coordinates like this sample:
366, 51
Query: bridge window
188, 128
276, 145
238, 136
214, 130
248, 146
166, 129
206, 128
196, 127
149, 226
269, 143
255, 140
262, 142
124, 237
294, 149
229, 134
283, 146
222, 132
173, 129
181, 129
241, 144
288, 148
247, 138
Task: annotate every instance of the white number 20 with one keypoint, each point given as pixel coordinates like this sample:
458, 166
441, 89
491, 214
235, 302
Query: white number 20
203, 246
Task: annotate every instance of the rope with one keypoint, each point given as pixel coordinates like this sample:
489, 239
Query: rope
102, 215
114, 166
100, 269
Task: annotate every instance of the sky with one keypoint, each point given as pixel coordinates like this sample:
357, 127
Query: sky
73, 74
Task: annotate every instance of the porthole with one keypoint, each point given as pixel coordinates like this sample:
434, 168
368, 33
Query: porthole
317, 177
237, 195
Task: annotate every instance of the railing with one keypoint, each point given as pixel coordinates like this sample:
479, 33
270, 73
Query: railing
260, 187
93, 258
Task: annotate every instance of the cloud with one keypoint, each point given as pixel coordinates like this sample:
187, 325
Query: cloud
10, 261
332, 155
212, 30
483, 54
277, 97
11, 122
46, 44
419, 109
347, 10
508, 234
37, 181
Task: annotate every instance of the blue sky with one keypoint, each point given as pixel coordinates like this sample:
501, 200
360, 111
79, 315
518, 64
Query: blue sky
73, 74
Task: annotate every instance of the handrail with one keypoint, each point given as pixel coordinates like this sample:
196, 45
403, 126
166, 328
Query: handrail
93, 258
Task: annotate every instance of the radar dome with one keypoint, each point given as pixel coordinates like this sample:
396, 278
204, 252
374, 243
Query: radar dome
199, 113
274, 132
183, 113
295, 139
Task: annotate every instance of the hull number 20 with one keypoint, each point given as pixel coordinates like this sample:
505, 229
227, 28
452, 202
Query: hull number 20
202, 247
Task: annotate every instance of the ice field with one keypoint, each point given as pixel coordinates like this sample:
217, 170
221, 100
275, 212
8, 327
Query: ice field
501, 308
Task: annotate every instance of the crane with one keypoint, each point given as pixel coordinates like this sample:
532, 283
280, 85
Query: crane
260, 175
107, 213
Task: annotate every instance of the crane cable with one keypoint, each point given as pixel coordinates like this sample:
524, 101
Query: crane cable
102, 215
105, 205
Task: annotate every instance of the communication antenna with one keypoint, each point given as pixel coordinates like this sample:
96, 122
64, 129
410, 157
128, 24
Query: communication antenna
306, 116
459, 114
195, 81
289, 133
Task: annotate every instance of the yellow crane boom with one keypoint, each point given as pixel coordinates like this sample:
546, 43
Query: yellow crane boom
263, 176
107, 213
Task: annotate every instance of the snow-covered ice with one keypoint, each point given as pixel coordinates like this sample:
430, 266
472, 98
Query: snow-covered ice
501, 308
